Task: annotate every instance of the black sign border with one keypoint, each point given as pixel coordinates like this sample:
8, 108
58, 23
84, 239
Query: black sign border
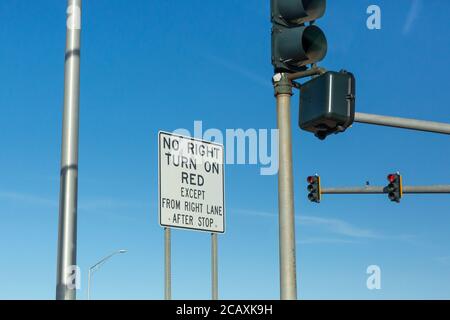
160, 132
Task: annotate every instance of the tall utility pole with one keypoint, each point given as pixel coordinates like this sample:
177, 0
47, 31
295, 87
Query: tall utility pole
296, 43
288, 279
67, 235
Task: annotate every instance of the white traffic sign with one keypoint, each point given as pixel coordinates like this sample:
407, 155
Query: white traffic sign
191, 183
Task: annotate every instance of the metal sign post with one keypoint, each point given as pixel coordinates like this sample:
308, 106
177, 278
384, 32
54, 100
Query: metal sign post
167, 265
191, 194
67, 235
214, 268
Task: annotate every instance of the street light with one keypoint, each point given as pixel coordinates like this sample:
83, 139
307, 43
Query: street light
96, 266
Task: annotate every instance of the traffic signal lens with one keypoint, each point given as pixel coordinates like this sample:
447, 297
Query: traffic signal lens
314, 43
314, 8
391, 178
310, 188
300, 46
310, 179
300, 11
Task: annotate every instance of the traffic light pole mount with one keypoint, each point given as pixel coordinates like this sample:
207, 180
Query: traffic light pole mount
307, 73
288, 278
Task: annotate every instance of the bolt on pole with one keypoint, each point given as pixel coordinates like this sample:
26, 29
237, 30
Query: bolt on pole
67, 235
288, 278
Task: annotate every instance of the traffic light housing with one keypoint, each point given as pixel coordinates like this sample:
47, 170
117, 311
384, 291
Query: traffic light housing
314, 192
395, 187
327, 103
295, 44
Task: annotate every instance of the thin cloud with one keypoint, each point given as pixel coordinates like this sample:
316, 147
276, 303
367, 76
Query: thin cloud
413, 14
28, 199
258, 213
339, 227
325, 241
98, 204
445, 260
91, 205
251, 75
115, 208
350, 233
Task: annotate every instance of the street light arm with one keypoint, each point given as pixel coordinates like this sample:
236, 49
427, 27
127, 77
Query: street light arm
102, 261
97, 266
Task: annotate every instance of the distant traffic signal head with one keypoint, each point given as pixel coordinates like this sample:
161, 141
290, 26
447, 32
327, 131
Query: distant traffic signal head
394, 188
294, 44
314, 192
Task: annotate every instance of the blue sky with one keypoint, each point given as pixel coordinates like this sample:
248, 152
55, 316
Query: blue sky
161, 65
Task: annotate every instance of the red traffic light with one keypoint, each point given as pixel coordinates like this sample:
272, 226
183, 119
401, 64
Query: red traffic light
311, 179
391, 178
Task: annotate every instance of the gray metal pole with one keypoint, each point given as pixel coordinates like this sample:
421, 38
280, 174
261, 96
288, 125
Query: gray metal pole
421, 125
378, 190
67, 236
167, 265
288, 278
89, 285
214, 268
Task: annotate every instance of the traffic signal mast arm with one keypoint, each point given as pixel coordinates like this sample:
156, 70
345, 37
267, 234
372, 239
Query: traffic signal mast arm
404, 123
394, 189
381, 190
